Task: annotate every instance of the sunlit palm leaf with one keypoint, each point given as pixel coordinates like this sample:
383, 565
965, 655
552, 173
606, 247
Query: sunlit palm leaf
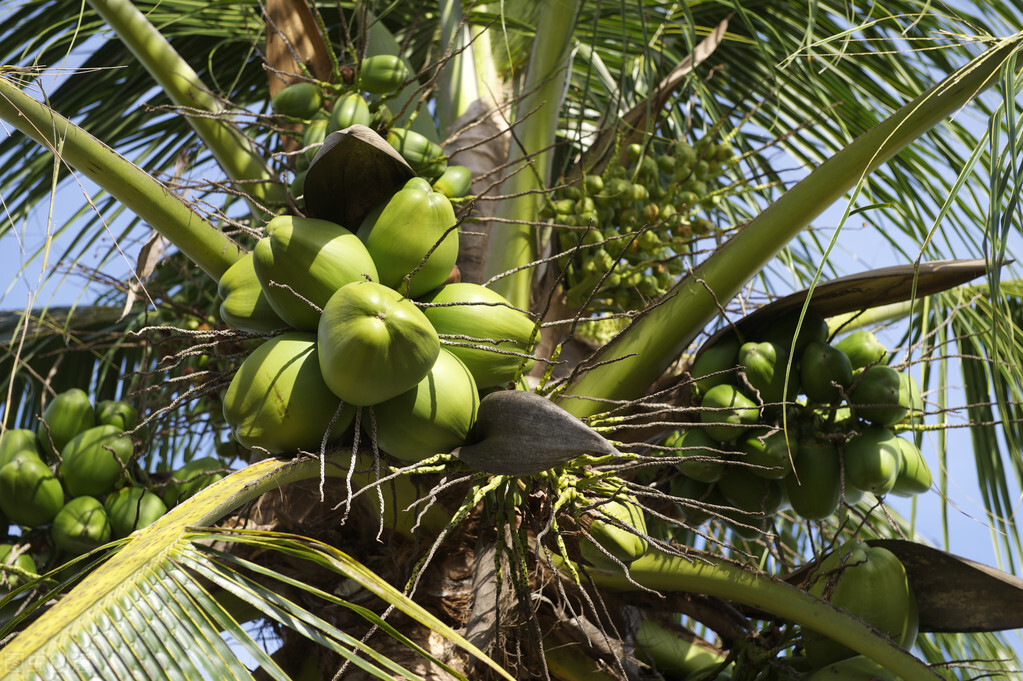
151, 604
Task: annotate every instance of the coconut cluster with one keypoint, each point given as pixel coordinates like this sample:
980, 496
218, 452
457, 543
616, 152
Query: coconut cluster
804, 434
319, 109
74, 483
628, 228
367, 316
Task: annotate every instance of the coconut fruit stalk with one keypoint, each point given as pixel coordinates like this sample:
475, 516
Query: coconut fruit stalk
716, 577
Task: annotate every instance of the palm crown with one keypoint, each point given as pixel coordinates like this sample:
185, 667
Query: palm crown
583, 128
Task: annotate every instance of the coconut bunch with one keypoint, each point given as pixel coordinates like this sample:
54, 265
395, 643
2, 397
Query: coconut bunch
318, 109
73, 484
369, 311
802, 434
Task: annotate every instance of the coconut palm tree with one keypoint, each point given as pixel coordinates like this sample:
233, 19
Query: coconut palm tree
730, 127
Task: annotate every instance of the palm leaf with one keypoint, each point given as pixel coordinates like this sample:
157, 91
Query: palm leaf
148, 198
46, 353
152, 603
117, 93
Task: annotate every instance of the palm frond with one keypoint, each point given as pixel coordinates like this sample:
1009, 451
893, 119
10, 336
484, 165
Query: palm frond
155, 605
108, 91
44, 354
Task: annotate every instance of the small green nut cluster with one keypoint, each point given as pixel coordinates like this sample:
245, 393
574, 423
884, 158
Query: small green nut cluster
322, 108
640, 218
804, 435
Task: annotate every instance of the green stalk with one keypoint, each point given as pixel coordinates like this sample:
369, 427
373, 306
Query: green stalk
716, 578
204, 244
489, 85
875, 316
457, 79
514, 245
236, 153
638, 356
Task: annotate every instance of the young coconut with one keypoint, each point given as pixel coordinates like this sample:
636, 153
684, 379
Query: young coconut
244, 305
434, 417
602, 532
277, 400
68, 414
492, 327
873, 459
118, 413
878, 396
17, 440
374, 344
871, 583
411, 234
303, 262
30, 494
81, 526
192, 478
132, 508
93, 461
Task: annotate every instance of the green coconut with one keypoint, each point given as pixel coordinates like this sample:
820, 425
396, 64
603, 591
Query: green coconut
411, 238
94, 461
278, 401
192, 478
81, 526
488, 327
303, 261
433, 417
30, 494
374, 344
132, 508
68, 414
